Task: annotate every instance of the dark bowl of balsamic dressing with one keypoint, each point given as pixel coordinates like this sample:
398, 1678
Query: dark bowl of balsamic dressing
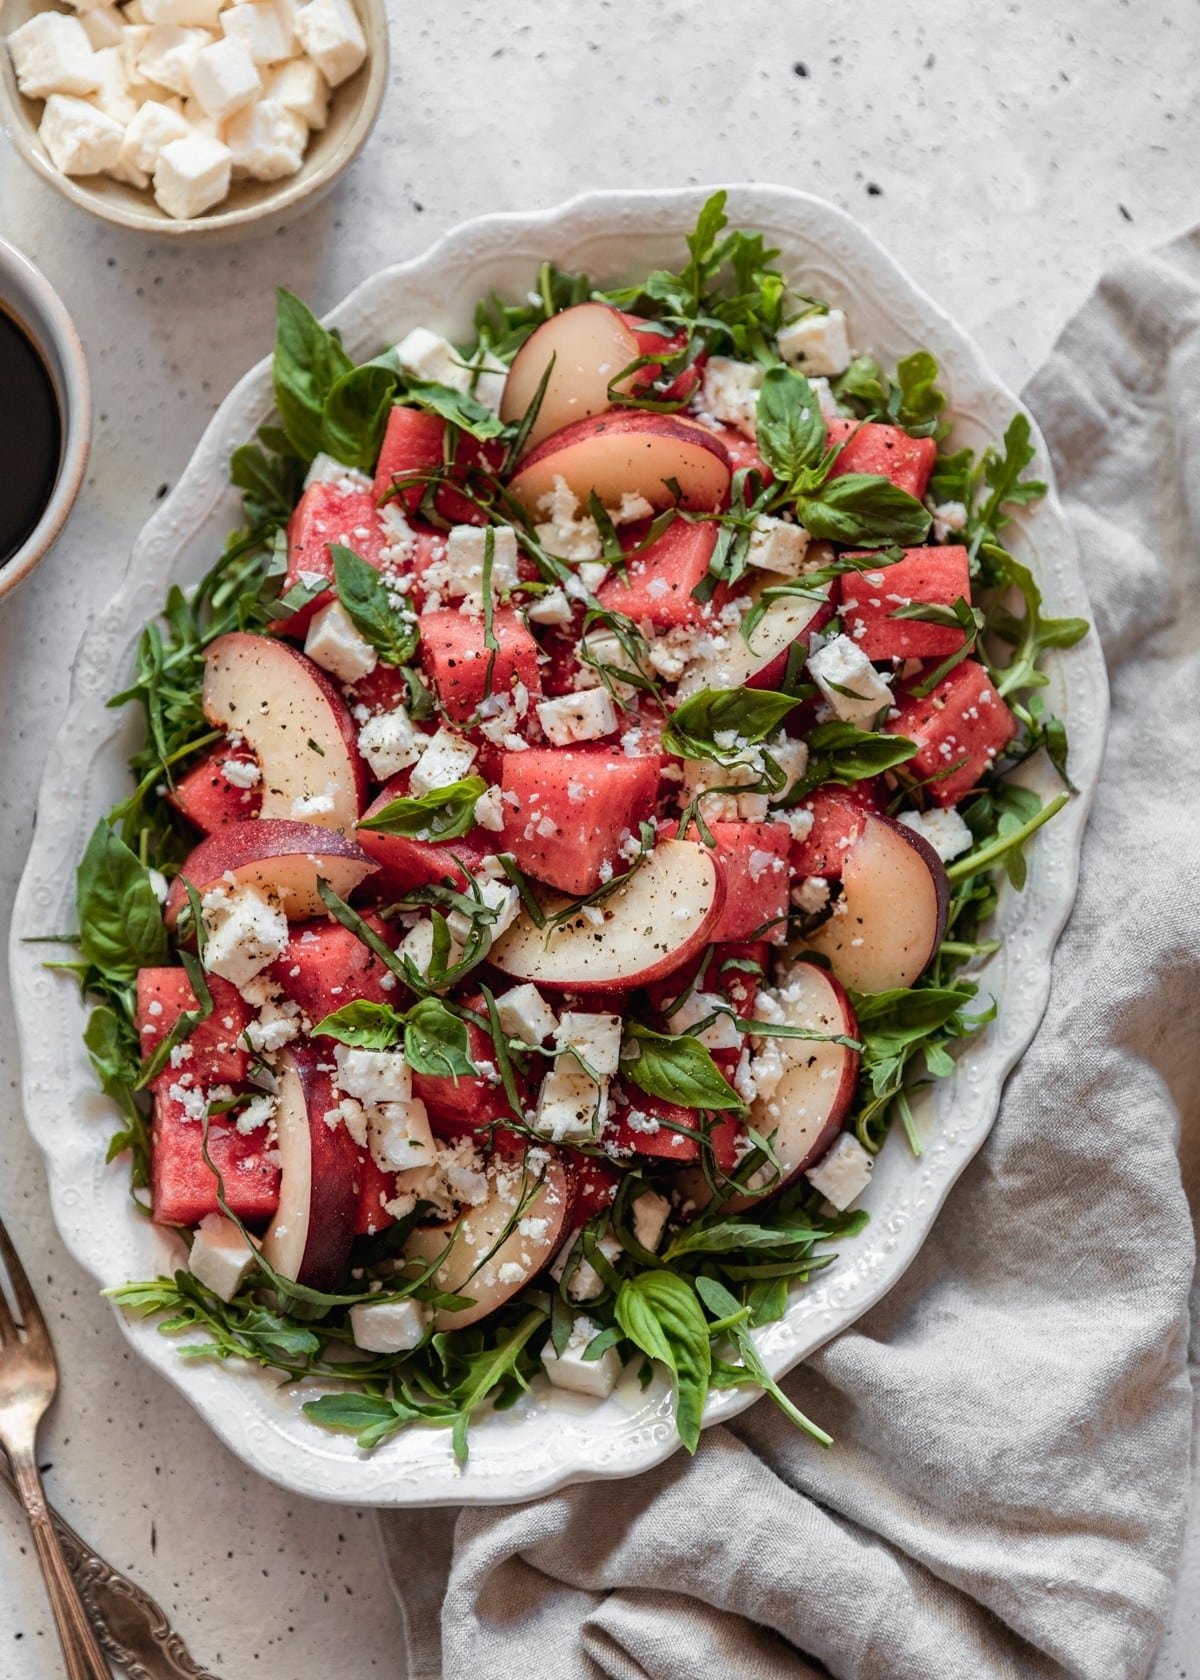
45, 416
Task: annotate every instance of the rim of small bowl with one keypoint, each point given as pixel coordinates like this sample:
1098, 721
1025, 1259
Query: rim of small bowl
289, 193
46, 318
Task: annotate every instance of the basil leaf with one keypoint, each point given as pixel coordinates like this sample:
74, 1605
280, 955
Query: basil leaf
445, 814
751, 713
660, 1314
458, 407
354, 415
120, 920
309, 360
677, 1068
862, 508
270, 483
366, 1026
888, 1021
436, 1042
364, 595
791, 427
1002, 474
841, 752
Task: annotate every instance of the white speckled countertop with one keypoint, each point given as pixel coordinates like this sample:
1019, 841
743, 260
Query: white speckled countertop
1005, 162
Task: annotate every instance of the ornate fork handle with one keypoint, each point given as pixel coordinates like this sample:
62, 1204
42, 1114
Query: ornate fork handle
132, 1629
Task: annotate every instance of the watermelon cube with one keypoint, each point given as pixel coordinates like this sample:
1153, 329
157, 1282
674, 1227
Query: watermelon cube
754, 859
883, 452
837, 814
658, 582
929, 576
644, 1125
419, 863
323, 515
457, 661
460, 1106
569, 811
182, 1186
594, 1184
415, 442
375, 1187
207, 797
961, 728
326, 966
743, 454
217, 1054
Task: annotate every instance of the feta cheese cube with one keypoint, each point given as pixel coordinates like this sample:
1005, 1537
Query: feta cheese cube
489, 810
499, 896
817, 344
399, 1135
331, 35
596, 1037
300, 86
417, 947
552, 607
113, 96
427, 355
525, 1014
245, 932
104, 27
333, 643
52, 54
466, 547
720, 1034
489, 374
267, 141
263, 27
221, 1258
153, 126
945, 831
224, 78
570, 1370
776, 545
855, 690
373, 1076
571, 1106
200, 13
447, 759
729, 392
389, 743
389, 1326
167, 53
192, 175
585, 1282
587, 715
79, 138
650, 1212
791, 755
843, 1173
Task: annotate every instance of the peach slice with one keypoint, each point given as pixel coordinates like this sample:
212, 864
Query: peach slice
891, 916
590, 344
309, 1238
282, 859
497, 1247
294, 718
661, 915
628, 452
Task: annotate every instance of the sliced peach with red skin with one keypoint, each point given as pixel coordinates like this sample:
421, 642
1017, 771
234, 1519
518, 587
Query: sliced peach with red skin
628, 452
320, 1183
280, 859
589, 344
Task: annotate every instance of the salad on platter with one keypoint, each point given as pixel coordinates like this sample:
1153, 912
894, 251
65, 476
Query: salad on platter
565, 831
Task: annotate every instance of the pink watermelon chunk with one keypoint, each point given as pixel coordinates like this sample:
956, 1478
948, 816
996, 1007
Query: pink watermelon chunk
184, 1189
374, 1189
883, 452
415, 442
929, 576
837, 823
325, 966
456, 659
206, 796
964, 723
569, 810
324, 515
458, 1107
418, 863
217, 1053
659, 581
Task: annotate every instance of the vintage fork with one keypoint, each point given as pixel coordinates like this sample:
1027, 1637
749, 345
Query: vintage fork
28, 1380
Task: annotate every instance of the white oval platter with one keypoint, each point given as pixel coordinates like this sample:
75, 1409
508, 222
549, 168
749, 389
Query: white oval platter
551, 1439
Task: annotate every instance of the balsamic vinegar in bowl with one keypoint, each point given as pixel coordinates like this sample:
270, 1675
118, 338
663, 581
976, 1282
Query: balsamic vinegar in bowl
30, 435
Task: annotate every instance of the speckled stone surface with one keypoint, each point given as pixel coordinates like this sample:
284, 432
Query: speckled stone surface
1005, 163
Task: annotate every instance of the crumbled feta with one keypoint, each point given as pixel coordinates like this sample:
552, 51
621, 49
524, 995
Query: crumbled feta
570, 1370
466, 547
241, 772
446, 759
811, 894
552, 607
587, 715
945, 831
224, 78
948, 518
399, 1135
221, 1257
729, 392
264, 28
855, 690
267, 140
167, 53
566, 531
500, 896
524, 1014
843, 1173
817, 343
373, 1076
585, 1282
389, 1326
389, 743
104, 27
720, 1034
423, 354
244, 932
489, 374
596, 1037
489, 810
571, 1106
777, 545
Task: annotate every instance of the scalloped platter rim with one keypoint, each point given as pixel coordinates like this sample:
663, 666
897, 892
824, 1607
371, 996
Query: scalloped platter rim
551, 1439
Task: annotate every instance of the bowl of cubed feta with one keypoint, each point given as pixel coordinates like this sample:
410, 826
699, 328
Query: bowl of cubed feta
187, 118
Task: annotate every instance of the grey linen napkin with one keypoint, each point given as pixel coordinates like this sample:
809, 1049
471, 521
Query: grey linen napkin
1008, 1489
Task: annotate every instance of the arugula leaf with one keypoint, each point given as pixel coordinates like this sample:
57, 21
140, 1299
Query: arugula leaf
370, 1418
120, 919
791, 427
270, 483
309, 361
445, 814
1002, 474
486, 1371
1033, 632
355, 413
676, 1067
364, 595
751, 714
436, 1041
365, 1026
865, 510
660, 1314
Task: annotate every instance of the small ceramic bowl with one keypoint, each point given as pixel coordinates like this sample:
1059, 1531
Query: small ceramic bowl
31, 300
353, 108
